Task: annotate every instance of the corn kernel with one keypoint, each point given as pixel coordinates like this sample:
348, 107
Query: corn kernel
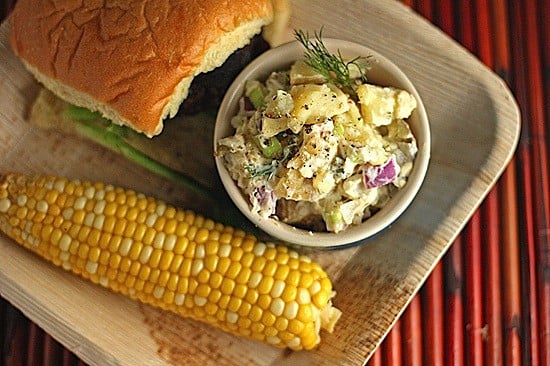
83, 234
169, 242
215, 280
114, 243
294, 262
193, 284
244, 309
110, 209
109, 224
243, 323
309, 336
130, 229
120, 226
181, 245
220, 315
93, 254
303, 296
191, 232
295, 326
247, 259
244, 275
214, 296
258, 264
255, 313
225, 238
210, 308
265, 285
234, 304
139, 285
144, 273
254, 280
135, 268
320, 299
155, 275
227, 286
240, 291
224, 301
198, 265
168, 297
203, 290
211, 262
264, 301
158, 241
170, 226
223, 265
83, 251
305, 314
248, 244
225, 251
125, 264
270, 331
135, 251
282, 272
258, 329
132, 214
148, 288
233, 270
203, 276
149, 236
104, 257
201, 236
159, 224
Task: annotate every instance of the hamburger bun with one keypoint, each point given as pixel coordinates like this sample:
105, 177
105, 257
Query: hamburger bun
133, 61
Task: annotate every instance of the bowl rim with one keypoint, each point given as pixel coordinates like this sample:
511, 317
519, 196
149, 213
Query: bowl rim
283, 56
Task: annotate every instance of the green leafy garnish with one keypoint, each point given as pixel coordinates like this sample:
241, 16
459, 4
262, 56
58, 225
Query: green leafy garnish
332, 66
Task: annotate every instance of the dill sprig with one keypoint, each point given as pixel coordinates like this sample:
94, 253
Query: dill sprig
332, 66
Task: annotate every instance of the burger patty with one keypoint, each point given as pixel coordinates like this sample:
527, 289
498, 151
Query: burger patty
208, 89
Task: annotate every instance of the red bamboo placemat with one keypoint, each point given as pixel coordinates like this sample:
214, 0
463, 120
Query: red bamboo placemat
488, 301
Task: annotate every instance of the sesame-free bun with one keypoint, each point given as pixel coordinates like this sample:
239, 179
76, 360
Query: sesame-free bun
133, 61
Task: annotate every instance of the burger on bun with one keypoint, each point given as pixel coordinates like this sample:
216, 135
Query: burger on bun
136, 62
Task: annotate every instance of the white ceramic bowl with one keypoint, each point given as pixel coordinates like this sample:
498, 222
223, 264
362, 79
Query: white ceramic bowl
382, 72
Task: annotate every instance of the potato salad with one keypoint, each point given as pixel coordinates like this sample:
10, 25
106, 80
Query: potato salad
309, 154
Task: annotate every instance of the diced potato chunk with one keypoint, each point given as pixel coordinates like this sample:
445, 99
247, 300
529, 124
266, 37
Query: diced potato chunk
381, 105
294, 186
281, 104
313, 103
301, 73
272, 126
318, 149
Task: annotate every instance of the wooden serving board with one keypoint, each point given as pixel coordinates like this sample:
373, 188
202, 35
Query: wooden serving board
475, 128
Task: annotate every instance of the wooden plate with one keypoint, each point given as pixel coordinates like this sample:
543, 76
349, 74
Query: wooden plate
475, 128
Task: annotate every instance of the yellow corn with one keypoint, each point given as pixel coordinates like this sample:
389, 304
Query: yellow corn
170, 258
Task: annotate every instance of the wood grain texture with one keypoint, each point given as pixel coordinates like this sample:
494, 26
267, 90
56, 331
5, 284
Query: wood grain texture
475, 126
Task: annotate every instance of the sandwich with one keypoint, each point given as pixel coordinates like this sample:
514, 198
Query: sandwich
137, 63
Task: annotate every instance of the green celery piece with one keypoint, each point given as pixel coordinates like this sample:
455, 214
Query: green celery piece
271, 148
255, 92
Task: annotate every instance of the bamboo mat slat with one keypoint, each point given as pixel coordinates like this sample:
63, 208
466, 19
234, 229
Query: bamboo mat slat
488, 301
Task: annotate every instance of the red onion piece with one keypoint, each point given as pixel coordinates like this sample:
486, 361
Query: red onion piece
380, 175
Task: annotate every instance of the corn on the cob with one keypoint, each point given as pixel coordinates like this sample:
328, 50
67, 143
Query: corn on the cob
170, 258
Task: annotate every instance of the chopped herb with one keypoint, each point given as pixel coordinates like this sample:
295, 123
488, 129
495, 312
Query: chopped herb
332, 66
